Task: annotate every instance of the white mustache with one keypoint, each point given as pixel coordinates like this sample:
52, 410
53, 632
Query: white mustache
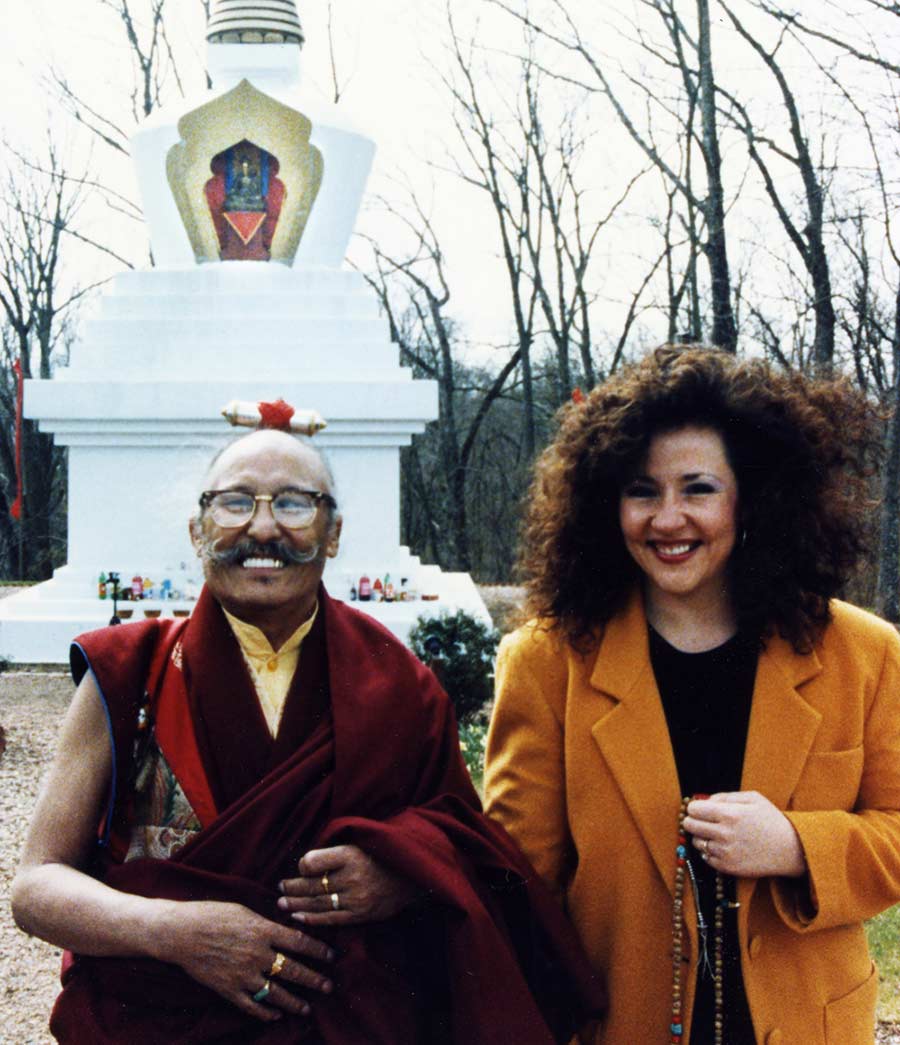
211, 553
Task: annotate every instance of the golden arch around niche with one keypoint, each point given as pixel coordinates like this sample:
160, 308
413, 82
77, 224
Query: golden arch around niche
244, 113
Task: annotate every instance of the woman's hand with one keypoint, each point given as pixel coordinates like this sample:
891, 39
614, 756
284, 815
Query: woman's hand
742, 834
344, 886
232, 950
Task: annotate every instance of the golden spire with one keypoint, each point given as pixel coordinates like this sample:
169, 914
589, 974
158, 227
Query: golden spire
254, 22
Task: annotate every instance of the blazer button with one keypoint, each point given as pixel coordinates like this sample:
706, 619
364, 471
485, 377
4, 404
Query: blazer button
774, 1037
755, 949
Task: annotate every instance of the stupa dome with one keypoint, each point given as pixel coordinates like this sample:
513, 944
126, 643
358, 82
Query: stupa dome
254, 22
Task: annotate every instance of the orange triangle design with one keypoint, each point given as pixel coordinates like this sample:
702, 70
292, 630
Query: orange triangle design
245, 223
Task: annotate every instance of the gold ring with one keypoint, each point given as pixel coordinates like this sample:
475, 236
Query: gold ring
325, 885
277, 965
335, 902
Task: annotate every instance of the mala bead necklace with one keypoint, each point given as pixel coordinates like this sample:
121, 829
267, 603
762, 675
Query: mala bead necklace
683, 870
677, 1024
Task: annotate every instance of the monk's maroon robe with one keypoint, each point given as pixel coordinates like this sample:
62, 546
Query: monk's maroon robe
366, 754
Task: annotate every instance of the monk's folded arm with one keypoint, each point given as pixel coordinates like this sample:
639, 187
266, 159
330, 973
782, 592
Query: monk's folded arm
54, 899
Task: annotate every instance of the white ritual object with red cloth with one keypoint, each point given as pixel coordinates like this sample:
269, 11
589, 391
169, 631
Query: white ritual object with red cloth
139, 405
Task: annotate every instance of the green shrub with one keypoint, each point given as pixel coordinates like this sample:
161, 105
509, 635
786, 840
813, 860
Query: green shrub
472, 739
460, 649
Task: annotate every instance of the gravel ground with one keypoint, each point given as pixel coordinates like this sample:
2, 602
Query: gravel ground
31, 709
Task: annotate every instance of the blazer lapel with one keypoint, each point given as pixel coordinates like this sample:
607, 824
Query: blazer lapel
782, 728
782, 724
633, 736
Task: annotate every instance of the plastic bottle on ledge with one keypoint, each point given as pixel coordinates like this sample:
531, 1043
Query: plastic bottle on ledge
365, 589
377, 590
101, 586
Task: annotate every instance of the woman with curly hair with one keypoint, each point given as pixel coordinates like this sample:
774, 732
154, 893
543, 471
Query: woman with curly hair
694, 741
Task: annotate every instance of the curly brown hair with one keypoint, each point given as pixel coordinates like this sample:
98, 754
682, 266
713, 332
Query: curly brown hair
802, 450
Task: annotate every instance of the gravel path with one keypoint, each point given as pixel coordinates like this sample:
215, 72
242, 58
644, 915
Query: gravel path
31, 708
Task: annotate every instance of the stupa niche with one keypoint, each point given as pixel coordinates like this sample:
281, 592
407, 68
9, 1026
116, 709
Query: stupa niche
214, 171
252, 171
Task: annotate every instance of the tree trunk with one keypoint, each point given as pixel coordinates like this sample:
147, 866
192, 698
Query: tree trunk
888, 591
724, 331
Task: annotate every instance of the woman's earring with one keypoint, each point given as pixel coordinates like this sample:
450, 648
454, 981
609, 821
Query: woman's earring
743, 538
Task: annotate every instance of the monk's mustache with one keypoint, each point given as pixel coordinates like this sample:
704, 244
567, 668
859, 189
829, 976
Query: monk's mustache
250, 549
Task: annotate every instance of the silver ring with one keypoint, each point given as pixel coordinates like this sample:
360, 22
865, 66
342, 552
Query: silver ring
705, 844
263, 992
335, 902
704, 856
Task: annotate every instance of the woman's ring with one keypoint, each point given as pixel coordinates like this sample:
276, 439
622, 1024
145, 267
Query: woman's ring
335, 902
705, 844
263, 992
277, 965
325, 884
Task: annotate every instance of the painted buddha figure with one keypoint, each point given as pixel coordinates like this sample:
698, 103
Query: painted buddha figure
245, 198
245, 191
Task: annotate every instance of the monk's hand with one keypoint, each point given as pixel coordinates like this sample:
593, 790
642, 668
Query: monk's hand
742, 833
239, 954
343, 885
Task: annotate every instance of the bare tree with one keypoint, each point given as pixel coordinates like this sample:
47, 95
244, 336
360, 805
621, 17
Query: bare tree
870, 316
425, 333
807, 235
533, 177
155, 76
39, 205
691, 57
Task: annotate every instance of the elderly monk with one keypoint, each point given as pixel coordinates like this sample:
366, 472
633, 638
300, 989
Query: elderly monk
289, 847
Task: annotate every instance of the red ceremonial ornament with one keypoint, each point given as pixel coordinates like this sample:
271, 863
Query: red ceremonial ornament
577, 396
15, 509
276, 415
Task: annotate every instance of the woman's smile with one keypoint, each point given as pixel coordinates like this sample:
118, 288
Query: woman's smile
674, 552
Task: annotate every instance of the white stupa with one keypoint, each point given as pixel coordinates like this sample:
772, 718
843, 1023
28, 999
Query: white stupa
251, 193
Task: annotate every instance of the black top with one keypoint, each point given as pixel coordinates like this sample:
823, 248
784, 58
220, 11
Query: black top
706, 698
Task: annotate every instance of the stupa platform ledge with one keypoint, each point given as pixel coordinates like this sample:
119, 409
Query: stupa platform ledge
370, 406
211, 436
238, 277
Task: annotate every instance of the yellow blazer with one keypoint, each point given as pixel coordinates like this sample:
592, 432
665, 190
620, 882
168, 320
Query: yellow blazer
580, 771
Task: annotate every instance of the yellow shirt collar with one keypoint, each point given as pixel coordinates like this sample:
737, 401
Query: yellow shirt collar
255, 644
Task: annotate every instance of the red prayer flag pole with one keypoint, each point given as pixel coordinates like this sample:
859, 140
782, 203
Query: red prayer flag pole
15, 509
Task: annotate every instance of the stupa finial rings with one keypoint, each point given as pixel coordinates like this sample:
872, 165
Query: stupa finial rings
254, 22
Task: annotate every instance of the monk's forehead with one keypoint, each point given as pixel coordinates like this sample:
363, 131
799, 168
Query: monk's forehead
269, 455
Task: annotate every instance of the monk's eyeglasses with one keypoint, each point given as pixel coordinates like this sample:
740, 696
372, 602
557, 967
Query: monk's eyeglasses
293, 509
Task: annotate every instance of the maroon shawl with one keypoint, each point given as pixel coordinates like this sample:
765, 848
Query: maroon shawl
486, 959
